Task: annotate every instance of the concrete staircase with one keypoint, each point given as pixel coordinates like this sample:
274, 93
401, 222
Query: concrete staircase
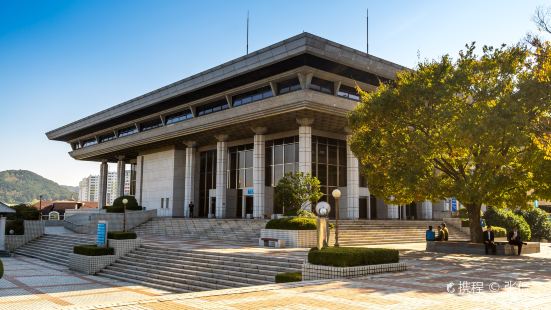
366, 232
243, 230
54, 248
181, 270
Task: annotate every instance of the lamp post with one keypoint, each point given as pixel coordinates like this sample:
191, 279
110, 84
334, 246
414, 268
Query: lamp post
124, 202
336, 194
40, 207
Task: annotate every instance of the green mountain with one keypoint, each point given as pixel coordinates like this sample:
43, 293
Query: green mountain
23, 186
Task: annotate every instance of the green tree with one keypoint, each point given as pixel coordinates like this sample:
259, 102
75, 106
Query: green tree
294, 189
476, 128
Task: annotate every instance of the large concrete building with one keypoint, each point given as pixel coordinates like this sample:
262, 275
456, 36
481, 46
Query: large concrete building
224, 137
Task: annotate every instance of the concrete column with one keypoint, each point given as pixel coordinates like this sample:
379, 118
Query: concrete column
352, 184
426, 210
221, 175
121, 171
305, 144
259, 160
189, 180
103, 171
404, 215
392, 211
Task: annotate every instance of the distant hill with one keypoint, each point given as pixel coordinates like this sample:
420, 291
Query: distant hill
23, 186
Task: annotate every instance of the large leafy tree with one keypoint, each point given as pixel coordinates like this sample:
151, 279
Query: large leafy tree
476, 128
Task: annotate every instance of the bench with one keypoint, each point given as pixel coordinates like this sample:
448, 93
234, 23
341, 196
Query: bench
271, 242
464, 247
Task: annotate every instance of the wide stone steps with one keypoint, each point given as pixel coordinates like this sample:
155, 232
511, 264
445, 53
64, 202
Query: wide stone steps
53, 248
181, 270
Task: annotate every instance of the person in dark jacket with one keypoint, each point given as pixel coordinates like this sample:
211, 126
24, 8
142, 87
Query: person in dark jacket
489, 240
191, 206
439, 234
514, 238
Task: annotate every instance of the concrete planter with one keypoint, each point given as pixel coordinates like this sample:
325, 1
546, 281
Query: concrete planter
295, 238
33, 230
319, 272
90, 264
122, 247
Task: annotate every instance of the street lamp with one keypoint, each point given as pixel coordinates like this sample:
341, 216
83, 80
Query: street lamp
336, 194
124, 202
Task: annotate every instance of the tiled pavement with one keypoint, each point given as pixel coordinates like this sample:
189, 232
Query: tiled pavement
423, 286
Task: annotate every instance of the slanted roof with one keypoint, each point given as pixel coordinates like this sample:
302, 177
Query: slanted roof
4, 208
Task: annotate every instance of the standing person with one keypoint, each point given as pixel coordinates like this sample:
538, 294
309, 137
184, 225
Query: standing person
429, 234
190, 206
489, 240
514, 238
445, 232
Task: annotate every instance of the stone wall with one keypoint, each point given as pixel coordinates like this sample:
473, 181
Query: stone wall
87, 223
296, 238
33, 230
319, 272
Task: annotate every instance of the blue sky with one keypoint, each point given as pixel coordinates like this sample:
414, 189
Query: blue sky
63, 60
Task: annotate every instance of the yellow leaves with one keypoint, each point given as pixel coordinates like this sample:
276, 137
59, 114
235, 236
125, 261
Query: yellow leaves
544, 144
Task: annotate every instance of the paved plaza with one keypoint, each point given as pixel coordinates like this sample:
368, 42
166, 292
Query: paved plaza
432, 281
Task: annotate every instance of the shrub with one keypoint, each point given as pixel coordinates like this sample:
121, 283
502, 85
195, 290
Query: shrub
293, 223
539, 223
465, 223
305, 213
350, 257
17, 226
24, 212
121, 235
499, 231
131, 205
508, 220
288, 277
113, 209
92, 250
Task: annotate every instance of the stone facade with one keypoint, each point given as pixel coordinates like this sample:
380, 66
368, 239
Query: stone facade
319, 272
86, 223
33, 230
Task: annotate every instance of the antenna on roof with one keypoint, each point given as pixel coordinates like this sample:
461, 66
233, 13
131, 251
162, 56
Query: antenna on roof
247, 32
367, 33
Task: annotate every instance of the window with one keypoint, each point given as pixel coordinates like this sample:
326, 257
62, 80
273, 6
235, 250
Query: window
329, 163
89, 142
128, 131
348, 92
241, 166
212, 107
107, 137
76, 146
281, 158
252, 96
178, 117
151, 125
288, 86
321, 85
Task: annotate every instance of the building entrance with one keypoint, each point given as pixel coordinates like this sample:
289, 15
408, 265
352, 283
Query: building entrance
373, 207
364, 208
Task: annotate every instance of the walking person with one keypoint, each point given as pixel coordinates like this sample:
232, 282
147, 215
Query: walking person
191, 206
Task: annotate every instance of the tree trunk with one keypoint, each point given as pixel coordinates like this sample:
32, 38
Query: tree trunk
474, 219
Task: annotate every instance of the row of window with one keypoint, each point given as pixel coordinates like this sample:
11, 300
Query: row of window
262, 93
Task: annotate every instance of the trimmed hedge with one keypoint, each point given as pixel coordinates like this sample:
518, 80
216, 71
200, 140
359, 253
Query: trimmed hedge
131, 205
539, 223
293, 223
17, 226
350, 257
286, 277
92, 250
508, 220
121, 235
499, 231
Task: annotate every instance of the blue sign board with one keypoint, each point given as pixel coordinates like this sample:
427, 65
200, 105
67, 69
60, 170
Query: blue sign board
250, 191
101, 238
454, 205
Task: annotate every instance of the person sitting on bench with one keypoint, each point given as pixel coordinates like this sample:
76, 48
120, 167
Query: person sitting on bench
429, 234
439, 235
445, 232
489, 240
514, 239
